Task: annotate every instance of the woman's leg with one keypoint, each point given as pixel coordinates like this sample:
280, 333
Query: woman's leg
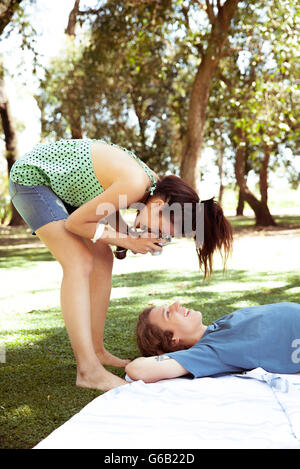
77, 264
100, 289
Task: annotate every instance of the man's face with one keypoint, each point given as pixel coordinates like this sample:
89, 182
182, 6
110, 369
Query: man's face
183, 322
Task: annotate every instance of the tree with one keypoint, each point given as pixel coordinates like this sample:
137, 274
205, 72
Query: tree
11, 141
12, 14
270, 115
132, 63
220, 17
142, 77
211, 43
255, 102
123, 86
73, 111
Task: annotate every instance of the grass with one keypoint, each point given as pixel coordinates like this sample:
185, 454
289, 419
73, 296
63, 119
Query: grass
37, 392
246, 224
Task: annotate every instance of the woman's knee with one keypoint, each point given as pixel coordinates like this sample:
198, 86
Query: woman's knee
79, 259
68, 249
102, 253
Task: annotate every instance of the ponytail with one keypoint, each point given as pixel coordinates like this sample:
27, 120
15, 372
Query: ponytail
217, 235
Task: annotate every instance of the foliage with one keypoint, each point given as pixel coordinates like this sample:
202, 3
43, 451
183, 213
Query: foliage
124, 80
129, 75
257, 91
17, 19
5, 208
138, 71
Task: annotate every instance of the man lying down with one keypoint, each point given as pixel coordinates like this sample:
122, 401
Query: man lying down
174, 342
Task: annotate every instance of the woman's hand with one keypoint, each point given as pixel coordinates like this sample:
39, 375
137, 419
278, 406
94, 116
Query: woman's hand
143, 245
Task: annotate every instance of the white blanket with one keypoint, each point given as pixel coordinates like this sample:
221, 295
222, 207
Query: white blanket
252, 410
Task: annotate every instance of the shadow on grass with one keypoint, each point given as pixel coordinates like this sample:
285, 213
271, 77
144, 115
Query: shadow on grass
166, 287
22, 257
194, 279
38, 392
243, 224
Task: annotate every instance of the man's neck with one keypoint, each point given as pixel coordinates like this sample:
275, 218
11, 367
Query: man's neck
198, 335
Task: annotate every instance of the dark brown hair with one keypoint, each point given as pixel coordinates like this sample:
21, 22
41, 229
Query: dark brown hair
151, 339
217, 229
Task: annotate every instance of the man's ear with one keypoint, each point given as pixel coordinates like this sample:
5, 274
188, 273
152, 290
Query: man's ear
176, 343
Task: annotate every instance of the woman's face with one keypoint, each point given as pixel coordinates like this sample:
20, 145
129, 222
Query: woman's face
151, 219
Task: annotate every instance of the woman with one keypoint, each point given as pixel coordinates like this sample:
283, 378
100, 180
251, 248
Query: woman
62, 190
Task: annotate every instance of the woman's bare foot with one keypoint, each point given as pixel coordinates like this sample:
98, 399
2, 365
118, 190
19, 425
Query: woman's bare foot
108, 359
98, 378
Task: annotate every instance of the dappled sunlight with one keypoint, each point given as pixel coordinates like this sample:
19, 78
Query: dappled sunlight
99, 102
39, 358
120, 292
243, 304
30, 301
21, 411
247, 285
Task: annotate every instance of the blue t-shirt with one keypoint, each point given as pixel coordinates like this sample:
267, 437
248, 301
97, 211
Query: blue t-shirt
266, 336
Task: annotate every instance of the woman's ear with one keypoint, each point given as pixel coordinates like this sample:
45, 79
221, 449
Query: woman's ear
159, 204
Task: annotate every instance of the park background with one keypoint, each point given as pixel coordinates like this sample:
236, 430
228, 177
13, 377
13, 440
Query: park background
208, 90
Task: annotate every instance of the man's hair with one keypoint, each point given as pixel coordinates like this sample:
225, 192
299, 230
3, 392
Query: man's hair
151, 339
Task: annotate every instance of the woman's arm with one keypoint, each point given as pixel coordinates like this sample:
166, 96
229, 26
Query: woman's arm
152, 369
117, 222
119, 195
84, 221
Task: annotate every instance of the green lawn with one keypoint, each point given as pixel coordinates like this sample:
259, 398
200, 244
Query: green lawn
37, 392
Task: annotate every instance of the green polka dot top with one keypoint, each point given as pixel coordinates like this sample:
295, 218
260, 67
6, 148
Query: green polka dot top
66, 167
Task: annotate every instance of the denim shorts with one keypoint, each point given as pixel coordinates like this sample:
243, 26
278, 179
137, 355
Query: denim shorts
38, 205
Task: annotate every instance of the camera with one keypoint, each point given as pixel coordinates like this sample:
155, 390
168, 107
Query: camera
167, 238
120, 253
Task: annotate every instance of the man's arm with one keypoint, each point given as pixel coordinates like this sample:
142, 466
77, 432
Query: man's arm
152, 369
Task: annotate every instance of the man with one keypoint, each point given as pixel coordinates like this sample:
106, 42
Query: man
175, 342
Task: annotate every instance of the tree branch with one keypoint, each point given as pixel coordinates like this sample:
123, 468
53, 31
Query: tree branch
210, 12
70, 29
6, 13
185, 11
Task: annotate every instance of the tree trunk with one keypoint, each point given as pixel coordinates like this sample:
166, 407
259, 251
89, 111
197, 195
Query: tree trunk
221, 171
11, 143
260, 208
73, 112
70, 29
74, 116
196, 120
240, 205
221, 193
263, 176
201, 86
